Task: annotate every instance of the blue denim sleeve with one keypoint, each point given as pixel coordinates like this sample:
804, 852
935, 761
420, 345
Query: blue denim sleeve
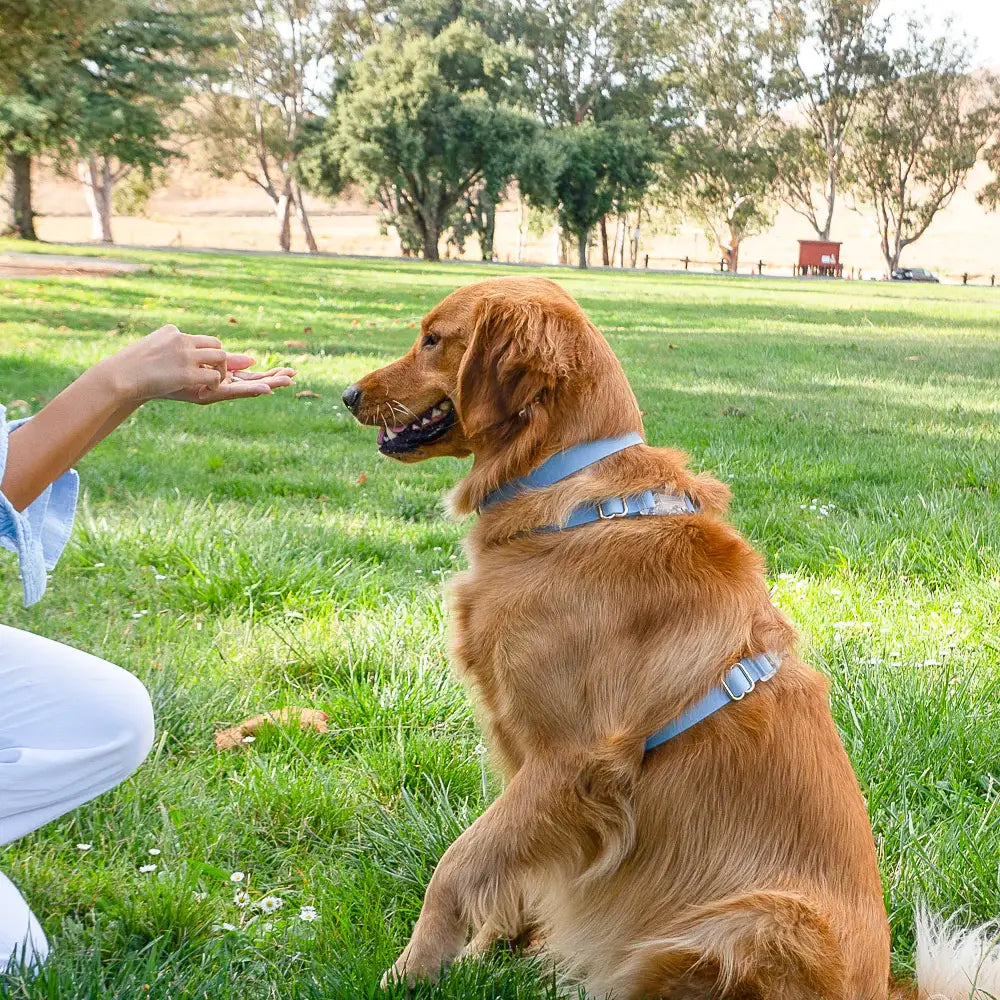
39, 533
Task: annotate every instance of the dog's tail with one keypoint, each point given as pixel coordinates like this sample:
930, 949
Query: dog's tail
955, 963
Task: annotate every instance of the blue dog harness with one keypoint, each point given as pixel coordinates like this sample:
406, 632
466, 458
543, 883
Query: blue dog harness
742, 678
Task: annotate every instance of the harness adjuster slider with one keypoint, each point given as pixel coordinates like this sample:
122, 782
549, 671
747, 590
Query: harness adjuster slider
610, 517
750, 681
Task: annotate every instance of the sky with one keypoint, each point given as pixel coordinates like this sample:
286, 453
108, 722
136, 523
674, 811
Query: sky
979, 19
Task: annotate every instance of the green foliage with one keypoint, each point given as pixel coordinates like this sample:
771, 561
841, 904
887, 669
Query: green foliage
737, 63
844, 49
273, 575
919, 134
131, 196
37, 35
130, 76
420, 127
585, 171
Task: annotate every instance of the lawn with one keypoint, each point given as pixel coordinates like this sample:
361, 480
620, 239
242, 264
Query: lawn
244, 558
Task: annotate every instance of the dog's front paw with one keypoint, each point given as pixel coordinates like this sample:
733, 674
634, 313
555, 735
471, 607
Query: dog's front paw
409, 969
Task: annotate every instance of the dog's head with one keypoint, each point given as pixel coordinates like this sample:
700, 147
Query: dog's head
502, 369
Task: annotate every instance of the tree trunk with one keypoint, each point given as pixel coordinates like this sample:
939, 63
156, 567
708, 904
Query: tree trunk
304, 220
582, 238
733, 257
831, 199
489, 230
22, 216
519, 248
98, 185
107, 189
283, 210
431, 241
557, 245
605, 252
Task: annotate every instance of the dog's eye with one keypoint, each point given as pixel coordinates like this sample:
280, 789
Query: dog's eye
430, 339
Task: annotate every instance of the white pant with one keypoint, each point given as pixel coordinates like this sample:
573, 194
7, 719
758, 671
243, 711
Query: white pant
71, 726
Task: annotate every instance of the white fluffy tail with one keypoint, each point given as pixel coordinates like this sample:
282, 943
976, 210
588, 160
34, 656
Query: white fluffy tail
956, 964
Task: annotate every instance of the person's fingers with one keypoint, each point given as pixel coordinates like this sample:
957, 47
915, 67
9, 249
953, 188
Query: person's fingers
201, 340
239, 390
270, 373
208, 376
213, 356
237, 362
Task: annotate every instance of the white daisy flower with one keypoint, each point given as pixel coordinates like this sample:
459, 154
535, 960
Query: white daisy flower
242, 898
154, 852
308, 914
146, 869
269, 904
237, 877
84, 847
249, 739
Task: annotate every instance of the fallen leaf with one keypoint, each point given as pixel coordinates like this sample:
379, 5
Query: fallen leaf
673, 347
62, 329
913, 357
307, 394
307, 330
296, 343
362, 479
307, 718
232, 320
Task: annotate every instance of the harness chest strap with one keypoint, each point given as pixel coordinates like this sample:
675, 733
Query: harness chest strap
742, 678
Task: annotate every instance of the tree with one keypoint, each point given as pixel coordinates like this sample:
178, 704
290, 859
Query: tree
39, 42
845, 42
918, 135
281, 58
36, 33
583, 172
598, 61
132, 76
736, 61
419, 129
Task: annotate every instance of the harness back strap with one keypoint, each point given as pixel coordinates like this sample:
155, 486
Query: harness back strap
735, 686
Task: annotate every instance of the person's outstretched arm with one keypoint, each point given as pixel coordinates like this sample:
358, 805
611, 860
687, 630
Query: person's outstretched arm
167, 364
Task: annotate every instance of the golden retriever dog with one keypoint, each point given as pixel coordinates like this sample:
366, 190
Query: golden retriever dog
734, 860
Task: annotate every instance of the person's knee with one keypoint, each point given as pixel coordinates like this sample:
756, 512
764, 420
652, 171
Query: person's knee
125, 715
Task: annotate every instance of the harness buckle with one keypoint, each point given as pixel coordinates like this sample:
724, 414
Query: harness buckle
746, 673
610, 517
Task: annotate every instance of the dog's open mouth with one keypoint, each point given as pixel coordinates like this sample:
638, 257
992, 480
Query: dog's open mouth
429, 426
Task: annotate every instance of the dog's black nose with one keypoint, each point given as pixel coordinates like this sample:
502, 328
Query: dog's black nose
352, 397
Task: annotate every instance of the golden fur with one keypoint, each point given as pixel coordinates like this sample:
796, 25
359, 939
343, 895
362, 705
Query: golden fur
734, 861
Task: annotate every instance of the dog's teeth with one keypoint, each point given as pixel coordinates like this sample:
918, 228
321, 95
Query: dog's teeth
436, 412
425, 421
390, 435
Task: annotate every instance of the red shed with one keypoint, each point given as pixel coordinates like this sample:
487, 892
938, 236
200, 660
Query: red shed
820, 257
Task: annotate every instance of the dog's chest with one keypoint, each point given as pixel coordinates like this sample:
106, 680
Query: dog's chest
506, 647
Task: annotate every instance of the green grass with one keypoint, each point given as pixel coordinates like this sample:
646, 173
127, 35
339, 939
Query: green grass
244, 558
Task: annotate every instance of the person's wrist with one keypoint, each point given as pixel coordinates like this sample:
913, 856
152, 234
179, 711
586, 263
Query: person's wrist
113, 380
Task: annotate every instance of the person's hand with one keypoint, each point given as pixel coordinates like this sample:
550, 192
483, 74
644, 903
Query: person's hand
238, 384
169, 364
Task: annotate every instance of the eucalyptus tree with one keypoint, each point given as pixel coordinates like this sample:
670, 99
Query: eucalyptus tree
918, 136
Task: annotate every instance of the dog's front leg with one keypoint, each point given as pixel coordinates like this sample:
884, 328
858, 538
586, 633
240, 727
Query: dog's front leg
541, 821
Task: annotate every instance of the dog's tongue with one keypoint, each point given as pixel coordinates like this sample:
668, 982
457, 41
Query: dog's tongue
381, 436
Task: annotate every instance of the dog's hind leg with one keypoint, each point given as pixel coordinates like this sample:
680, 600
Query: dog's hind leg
766, 945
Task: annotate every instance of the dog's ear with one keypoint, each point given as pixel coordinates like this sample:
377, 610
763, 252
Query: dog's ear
518, 351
